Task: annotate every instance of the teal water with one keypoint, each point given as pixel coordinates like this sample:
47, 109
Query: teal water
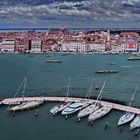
51, 80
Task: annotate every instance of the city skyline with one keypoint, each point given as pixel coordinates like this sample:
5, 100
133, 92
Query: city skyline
70, 13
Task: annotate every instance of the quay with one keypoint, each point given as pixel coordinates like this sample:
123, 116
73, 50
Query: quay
115, 106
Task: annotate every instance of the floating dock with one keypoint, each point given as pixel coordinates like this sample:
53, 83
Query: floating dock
72, 99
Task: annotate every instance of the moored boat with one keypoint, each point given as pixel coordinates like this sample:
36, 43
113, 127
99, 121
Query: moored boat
60, 107
133, 58
99, 113
135, 123
91, 108
26, 105
53, 61
128, 116
74, 107
106, 71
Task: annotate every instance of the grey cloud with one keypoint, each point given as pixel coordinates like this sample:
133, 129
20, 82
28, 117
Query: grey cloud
66, 10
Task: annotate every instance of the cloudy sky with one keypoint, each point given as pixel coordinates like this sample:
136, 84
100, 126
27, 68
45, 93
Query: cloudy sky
70, 13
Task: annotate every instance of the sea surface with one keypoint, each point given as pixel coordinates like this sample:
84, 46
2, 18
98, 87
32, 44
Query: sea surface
44, 79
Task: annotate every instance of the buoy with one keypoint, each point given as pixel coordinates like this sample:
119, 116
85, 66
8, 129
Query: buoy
120, 130
106, 125
36, 113
137, 131
79, 119
13, 114
91, 123
66, 117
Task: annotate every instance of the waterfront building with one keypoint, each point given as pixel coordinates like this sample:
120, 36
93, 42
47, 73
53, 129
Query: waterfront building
74, 44
117, 48
22, 45
7, 46
96, 47
48, 45
131, 46
35, 46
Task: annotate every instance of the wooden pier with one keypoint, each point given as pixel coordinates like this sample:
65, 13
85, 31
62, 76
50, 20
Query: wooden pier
71, 99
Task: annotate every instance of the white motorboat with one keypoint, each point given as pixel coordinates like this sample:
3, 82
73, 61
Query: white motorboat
26, 105
99, 113
74, 107
135, 123
60, 107
128, 116
91, 108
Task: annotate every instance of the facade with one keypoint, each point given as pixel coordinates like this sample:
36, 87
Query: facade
22, 45
96, 47
131, 46
7, 46
74, 45
36, 46
117, 48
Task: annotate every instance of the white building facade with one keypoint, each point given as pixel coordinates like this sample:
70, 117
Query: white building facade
7, 46
96, 47
74, 46
36, 46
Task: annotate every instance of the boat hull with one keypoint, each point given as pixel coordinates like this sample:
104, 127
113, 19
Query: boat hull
88, 110
71, 110
127, 117
99, 113
26, 105
59, 108
135, 123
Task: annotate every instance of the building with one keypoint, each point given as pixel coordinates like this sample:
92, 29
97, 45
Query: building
7, 46
35, 46
74, 45
22, 45
131, 46
96, 47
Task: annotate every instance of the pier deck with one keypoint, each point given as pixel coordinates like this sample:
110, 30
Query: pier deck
73, 99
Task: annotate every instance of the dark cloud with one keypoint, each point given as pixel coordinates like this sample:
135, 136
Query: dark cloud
64, 11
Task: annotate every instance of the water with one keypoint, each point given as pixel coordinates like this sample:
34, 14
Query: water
51, 80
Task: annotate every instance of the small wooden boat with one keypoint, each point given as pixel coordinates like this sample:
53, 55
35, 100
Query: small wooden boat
53, 61
107, 71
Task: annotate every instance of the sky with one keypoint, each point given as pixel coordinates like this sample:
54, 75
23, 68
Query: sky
70, 13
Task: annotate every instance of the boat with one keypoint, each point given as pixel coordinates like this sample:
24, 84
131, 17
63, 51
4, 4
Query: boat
135, 123
59, 108
111, 63
128, 116
99, 113
133, 58
74, 107
91, 108
53, 61
106, 71
25, 104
